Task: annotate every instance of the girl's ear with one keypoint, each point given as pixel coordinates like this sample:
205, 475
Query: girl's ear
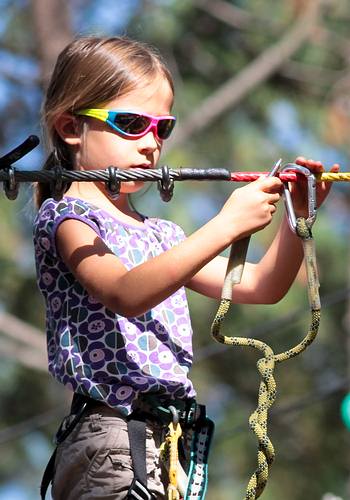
68, 129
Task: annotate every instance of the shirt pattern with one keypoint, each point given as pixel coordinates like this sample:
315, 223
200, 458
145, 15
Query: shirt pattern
93, 350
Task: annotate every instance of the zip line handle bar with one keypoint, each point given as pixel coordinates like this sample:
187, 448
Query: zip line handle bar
19, 151
311, 196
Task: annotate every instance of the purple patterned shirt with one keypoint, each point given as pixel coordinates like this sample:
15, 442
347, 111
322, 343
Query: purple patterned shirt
93, 350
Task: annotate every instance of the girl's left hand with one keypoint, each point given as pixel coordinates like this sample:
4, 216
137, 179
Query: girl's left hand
299, 189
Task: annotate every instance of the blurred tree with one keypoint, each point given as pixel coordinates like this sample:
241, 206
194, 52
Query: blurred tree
53, 30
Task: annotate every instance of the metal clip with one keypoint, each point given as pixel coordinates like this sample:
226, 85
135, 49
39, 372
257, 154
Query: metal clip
175, 414
311, 190
166, 184
11, 186
113, 184
275, 169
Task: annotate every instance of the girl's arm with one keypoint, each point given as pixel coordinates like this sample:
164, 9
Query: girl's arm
268, 281
263, 283
131, 293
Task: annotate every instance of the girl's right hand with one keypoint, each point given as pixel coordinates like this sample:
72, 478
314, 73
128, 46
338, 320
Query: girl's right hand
251, 207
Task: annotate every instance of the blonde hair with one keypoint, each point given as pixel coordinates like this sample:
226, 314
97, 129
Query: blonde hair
91, 71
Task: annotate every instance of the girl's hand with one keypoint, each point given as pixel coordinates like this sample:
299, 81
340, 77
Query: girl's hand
299, 189
251, 207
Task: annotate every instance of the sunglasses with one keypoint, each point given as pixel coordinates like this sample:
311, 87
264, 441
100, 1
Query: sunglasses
131, 124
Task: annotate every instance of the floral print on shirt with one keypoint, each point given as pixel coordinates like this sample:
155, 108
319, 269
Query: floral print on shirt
93, 350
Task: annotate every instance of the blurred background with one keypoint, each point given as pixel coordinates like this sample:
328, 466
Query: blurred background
255, 81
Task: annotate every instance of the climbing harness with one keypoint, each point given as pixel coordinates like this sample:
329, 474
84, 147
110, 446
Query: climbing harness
175, 415
267, 390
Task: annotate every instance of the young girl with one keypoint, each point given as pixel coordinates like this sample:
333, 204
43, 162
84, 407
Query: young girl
118, 326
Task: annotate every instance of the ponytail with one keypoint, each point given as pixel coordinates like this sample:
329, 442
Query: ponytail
42, 190
60, 156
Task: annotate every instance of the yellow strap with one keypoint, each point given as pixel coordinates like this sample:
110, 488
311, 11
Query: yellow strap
169, 454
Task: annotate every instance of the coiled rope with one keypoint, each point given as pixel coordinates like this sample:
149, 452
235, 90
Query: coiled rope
258, 420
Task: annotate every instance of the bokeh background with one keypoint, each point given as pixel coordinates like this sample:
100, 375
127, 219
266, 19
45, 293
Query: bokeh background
255, 81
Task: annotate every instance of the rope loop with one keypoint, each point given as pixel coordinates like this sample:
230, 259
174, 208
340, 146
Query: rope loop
303, 228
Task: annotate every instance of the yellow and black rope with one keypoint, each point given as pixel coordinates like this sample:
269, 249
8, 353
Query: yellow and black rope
267, 391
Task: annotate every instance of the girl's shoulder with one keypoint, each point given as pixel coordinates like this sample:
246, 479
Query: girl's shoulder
52, 212
167, 227
51, 208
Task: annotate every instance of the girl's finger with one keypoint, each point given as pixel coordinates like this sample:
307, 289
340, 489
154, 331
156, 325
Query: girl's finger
300, 160
313, 165
271, 184
274, 198
335, 168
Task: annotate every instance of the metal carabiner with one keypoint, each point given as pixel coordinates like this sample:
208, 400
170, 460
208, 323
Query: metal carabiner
311, 196
275, 169
175, 414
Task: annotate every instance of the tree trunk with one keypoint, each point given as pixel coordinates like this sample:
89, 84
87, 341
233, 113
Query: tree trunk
53, 30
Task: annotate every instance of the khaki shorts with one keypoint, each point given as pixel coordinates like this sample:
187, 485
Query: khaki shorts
94, 461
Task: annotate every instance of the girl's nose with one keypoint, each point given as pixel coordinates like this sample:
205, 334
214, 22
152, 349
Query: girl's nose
148, 142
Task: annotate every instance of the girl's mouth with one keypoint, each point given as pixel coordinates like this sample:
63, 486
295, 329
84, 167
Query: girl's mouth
144, 165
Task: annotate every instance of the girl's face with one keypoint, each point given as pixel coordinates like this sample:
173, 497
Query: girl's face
100, 146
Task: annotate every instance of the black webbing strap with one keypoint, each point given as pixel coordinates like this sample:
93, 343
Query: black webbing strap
79, 405
48, 475
137, 439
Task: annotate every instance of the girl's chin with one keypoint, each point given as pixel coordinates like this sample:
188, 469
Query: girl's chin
131, 187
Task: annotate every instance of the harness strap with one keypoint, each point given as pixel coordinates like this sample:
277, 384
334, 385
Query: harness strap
48, 475
198, 470
79, 405
137, 439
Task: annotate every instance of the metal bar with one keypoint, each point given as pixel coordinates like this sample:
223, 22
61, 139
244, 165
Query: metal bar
149, 175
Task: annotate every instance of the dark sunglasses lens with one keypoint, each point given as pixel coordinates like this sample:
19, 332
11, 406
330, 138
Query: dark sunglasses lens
165, 128
131, 123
